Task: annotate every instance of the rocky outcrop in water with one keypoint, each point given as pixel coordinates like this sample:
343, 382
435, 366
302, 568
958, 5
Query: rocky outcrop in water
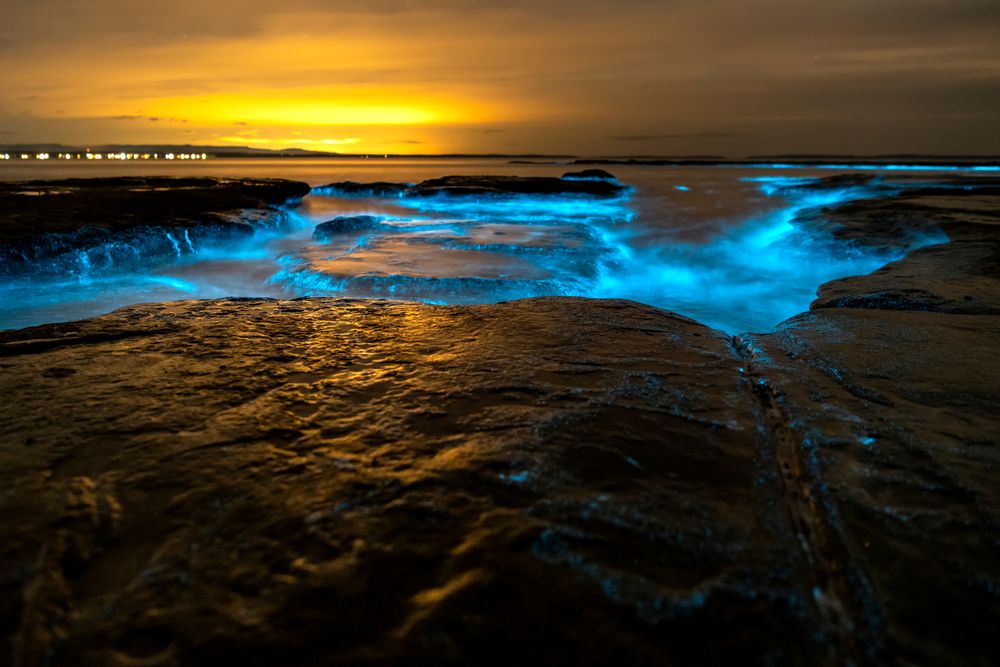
75, 226
960, 276
480, 186
592, 174
345, 224
558, 480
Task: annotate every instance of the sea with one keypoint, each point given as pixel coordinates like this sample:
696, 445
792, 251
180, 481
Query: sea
714, 243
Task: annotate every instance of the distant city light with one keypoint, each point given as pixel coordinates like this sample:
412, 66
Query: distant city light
122, 156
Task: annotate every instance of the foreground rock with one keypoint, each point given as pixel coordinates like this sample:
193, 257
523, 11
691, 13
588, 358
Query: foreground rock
324, 482
64, 227
488, 186
336, 482
884, 424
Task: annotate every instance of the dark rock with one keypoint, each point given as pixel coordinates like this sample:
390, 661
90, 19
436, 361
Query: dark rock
882, 403
957, 277
306, 482
477, 186
68, 226
30, 208
884, 424
345, 224
959, 209
592, 174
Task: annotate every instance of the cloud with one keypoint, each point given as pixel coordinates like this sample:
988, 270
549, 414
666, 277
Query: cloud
779, 75
151, 119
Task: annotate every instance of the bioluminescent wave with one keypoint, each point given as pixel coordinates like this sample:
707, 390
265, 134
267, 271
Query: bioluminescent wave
873, 167
462, 250
718, 245
752, 275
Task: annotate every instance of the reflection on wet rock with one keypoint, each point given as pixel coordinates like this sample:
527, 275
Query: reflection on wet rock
334, 478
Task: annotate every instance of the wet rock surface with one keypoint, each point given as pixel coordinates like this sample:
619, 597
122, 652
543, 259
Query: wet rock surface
964, 209
560, 480
323, 482
961, 275
884, 424
345, 224
45, 221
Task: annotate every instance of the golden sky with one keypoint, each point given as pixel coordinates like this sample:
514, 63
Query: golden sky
622, 77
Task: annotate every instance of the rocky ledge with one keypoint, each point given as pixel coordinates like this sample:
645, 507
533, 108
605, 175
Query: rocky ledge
588, 183
323, 482
66, 226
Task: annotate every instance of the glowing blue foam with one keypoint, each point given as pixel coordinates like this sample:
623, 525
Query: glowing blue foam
173, 283
756, 273
524, 208
868, 167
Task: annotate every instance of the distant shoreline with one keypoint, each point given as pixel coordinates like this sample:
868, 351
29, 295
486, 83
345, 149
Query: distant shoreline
15, 151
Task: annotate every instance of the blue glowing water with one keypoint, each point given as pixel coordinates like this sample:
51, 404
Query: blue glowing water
876, 167
715, 244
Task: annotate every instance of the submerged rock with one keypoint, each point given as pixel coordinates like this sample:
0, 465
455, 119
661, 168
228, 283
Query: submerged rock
346, 224
353, 189
74, 226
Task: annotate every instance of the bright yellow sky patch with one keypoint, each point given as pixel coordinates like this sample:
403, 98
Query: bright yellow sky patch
250, 140
310, 107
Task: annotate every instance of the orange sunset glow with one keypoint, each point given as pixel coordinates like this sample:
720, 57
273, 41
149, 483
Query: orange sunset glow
631, 77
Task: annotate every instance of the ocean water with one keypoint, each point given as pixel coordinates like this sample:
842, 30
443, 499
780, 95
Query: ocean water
712, 243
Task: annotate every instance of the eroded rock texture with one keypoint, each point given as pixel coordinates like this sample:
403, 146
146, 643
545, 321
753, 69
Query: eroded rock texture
884, 408
324, 482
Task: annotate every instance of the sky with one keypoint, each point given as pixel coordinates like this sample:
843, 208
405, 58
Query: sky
582, 77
